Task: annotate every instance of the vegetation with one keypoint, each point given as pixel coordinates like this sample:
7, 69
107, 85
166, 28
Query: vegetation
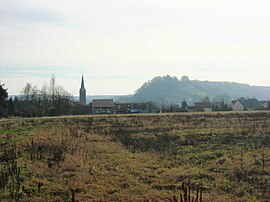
4, 104
169, 157
50, 100
169, 90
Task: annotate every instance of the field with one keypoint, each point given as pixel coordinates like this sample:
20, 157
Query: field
213, 156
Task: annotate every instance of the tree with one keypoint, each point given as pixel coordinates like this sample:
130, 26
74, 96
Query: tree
206, 99
51, 99
3, 100
184, 104
10, 107
26, 92
3, 93
185, 78
52, 87
224, 106
152, 107
16, 105
225, 98
216, 108
30, 105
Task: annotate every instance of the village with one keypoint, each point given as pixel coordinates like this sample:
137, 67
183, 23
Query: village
110, 106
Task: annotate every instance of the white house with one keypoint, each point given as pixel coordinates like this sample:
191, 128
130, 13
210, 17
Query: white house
265, 104
249, 104
237, 106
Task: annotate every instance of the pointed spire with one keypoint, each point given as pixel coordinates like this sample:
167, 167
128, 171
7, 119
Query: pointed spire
82, 93
82, 84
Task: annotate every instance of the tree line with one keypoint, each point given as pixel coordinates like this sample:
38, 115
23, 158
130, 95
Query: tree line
170, 90
50, 100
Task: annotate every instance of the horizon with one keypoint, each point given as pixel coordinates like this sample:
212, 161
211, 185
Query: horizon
120, 45
172, 76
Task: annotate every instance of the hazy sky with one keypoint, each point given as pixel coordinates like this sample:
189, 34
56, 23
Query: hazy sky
120, 44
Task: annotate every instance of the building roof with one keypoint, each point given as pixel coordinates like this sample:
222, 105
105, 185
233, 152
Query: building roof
251, 103
234, 101
103, 103
203, 104
184, 109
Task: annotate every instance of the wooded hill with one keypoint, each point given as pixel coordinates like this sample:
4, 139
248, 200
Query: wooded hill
168, 89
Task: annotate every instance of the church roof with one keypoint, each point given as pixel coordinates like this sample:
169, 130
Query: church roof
82, 84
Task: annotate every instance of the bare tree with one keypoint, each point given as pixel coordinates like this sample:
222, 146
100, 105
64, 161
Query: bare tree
38, 102
26, 92
52, 87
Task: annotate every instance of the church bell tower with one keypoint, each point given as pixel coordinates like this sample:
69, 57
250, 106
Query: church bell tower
82, 93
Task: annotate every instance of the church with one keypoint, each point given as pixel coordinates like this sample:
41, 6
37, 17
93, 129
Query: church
97, 106
106, 106
82, 93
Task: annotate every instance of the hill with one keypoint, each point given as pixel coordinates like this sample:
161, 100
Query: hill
168, 89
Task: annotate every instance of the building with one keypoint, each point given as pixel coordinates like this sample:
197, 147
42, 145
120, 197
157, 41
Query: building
205, 106
103, 106
140, 108
237, 106
82, 93
246, 104
265, 104
129, 108
123, 108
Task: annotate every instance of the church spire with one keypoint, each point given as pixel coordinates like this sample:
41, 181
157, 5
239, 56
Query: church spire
82, 93
82, 84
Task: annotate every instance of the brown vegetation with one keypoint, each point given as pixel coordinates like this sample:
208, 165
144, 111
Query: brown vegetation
167, 157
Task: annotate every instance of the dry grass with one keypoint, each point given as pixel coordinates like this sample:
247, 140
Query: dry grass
137, 157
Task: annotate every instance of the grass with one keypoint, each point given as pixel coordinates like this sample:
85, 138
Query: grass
136, 157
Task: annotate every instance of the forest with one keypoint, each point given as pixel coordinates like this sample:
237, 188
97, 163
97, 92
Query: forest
170, 90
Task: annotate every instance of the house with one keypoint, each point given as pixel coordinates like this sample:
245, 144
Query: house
123, 108
203, 106
140, 108
126, 108
184, 109
237, 105
103, 106
246, 104
265, 104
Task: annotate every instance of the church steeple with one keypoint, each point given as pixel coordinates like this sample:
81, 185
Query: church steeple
82, 93
82, 84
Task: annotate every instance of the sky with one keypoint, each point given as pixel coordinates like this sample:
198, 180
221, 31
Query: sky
118, 45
